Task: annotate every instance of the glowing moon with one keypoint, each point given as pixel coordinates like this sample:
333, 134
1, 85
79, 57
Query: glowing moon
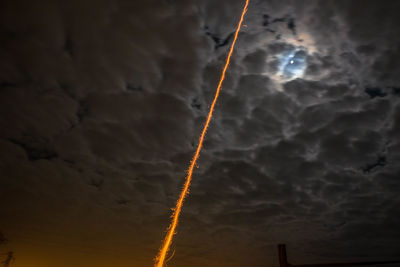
292, 64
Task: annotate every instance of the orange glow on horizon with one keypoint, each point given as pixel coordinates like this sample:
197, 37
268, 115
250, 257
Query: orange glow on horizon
160, 259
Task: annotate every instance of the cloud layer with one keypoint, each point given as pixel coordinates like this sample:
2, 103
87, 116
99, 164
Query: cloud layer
102, 103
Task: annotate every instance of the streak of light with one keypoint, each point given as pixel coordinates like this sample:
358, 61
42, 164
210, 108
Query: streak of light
160, 259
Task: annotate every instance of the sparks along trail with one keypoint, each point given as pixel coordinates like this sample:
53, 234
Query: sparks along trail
160, 259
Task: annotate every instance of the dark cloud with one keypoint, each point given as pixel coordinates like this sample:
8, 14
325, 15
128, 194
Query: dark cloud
102, 103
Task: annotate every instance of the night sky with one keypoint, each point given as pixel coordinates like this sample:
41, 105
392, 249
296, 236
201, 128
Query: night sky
102, 103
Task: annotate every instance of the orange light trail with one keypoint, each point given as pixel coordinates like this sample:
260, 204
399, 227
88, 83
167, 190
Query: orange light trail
160, 259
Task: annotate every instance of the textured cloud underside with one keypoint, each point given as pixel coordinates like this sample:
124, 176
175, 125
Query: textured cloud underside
102, 103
